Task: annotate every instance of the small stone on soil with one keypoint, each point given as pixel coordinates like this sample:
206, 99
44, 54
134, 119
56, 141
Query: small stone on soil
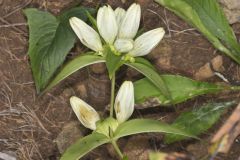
98, 68
67, 93
69, 134
137, 148
82, 91
206, 71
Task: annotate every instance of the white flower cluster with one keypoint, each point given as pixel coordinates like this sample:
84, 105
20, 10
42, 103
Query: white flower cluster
124, 106
118, 28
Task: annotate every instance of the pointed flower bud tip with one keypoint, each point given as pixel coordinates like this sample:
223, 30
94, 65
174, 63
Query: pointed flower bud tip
147, 42
87, 35
120, 14
107, 24
85, 113
130, 23
124, 102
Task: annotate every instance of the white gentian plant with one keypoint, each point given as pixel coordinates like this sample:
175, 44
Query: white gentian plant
113, 38
116, 41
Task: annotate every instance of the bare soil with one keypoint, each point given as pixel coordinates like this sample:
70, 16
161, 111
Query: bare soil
29, 124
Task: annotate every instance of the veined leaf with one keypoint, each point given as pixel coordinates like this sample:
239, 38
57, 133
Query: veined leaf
84, 145
209, 19
198, 120
180, 88
148, 70
73, 66
137, 126
51, 38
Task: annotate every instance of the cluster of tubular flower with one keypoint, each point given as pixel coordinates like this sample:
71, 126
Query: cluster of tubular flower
124, 106
118, 28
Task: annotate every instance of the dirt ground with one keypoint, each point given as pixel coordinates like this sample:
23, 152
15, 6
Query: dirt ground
29, 125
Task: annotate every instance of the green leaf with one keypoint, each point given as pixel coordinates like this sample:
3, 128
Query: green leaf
180, 88
73, 66
107, 126
113, 61
209, 19
214, 19
137, 126
84, 145
50, 41
93, 21
198, 120
158, 156
125, 158
144, 67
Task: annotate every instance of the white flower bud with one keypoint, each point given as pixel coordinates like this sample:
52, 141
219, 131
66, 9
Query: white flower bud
147, 42
85, 113
120, 14
107, 24
124, 102
123, 45
87, 35
130, 23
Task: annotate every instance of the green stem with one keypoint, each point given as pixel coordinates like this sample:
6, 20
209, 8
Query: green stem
112, 94
235, 88
115, 146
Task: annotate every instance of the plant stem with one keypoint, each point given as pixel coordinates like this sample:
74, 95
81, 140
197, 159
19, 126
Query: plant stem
235, 88
115, 146
112, 94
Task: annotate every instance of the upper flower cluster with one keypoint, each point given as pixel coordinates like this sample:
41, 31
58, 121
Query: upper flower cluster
118, 28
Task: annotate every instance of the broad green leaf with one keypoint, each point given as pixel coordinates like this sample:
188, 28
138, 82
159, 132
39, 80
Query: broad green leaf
84, 145
51, 38
180, 88
198, 120
137, 126
144, 67
209, 19
73, 66
113, 61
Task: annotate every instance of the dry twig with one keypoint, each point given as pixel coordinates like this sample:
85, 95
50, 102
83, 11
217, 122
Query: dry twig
225, 137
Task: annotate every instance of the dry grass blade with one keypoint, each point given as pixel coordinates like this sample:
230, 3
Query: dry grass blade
170, 156
13, 25
6, 156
